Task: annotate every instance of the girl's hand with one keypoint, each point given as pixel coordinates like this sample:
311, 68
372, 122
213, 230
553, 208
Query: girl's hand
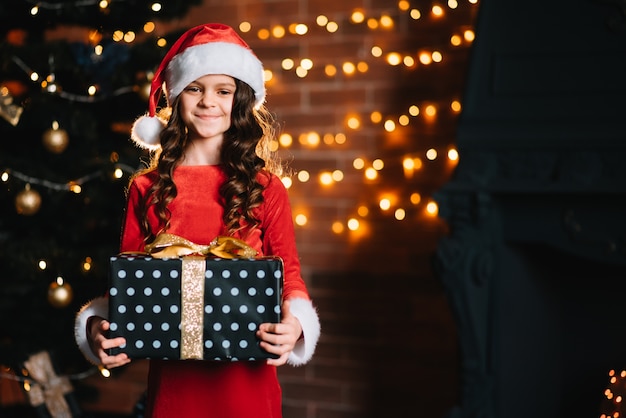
280, 339
97, 328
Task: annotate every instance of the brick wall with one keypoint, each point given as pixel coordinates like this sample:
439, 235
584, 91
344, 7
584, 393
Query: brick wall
388, 345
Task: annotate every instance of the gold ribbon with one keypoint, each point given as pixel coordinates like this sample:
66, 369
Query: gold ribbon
49, 387
192, 280
192, 307
170, 245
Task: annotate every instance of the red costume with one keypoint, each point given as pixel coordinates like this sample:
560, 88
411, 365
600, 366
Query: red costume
207, 389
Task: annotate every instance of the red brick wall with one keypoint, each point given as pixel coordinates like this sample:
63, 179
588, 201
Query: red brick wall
388, 345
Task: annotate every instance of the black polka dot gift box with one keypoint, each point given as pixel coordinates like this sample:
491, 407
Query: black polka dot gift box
193, 307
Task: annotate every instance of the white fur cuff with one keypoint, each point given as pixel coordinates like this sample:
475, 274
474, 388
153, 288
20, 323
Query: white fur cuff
96, 307
307, 315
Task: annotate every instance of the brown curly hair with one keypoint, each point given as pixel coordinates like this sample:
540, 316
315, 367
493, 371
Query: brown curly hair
244, 154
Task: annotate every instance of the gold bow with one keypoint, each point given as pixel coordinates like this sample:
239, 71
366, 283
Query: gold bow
170, 245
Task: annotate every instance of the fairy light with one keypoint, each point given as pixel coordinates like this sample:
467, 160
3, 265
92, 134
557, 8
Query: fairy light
301, 72
386, 22
337, 227
371, 174
263, 34
456, 40
156, 7
287, 182
400, 214
376, 51
348, 68
390, 125
358, 16
384, 204
42, 265
332, 27
358, 163
301, 29
415, 198
453, 4
415, 14
306, 63
469, 35
303, 176
285, 140
278, 31
378, 164
362, 67
431, 154
353, 122
301, 219
330, 70
372, 23
363, 211
129, 37
353, 224
455, 105
118, 173
87, 264
394, 58
340, 138
326, 178
245, 26
149, 27
437, 11
453, 154
403, 5
103, 4
425, 58
432, 209
337, 175
321, 20
414, 110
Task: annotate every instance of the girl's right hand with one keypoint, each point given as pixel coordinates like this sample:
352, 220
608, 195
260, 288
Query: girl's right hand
97, 330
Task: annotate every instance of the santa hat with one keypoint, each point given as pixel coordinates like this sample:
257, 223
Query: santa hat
206, 49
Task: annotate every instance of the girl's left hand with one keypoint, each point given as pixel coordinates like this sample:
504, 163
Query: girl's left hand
280, 339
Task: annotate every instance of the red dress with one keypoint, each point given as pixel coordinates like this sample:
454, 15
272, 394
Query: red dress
207, 389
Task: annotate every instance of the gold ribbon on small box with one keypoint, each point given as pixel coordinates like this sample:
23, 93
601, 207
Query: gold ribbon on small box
48, 388
192, 280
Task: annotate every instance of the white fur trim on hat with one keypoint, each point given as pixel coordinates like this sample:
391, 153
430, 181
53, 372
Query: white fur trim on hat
215, 58
307, 315
96, 307
146, 131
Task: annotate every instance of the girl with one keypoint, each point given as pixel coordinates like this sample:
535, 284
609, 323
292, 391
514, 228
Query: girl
211, 175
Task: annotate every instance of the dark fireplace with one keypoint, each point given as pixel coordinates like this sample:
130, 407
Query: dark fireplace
534, 264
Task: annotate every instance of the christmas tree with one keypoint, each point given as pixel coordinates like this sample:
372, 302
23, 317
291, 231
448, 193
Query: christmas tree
74, 75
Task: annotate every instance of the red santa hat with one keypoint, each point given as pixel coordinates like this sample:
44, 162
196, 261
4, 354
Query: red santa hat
206, 49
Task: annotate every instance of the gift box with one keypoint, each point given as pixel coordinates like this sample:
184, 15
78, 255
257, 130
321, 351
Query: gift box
193, 307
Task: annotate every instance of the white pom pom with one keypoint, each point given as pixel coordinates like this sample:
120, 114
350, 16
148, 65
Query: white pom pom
146, 130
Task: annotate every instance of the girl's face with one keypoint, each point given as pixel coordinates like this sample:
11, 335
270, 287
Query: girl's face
206, 105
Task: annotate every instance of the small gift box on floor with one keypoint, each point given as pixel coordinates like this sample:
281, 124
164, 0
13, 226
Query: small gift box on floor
51, 394
193, 307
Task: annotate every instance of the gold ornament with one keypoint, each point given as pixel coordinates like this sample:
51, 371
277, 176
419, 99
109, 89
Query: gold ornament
55, 139
60, 294
28, 201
